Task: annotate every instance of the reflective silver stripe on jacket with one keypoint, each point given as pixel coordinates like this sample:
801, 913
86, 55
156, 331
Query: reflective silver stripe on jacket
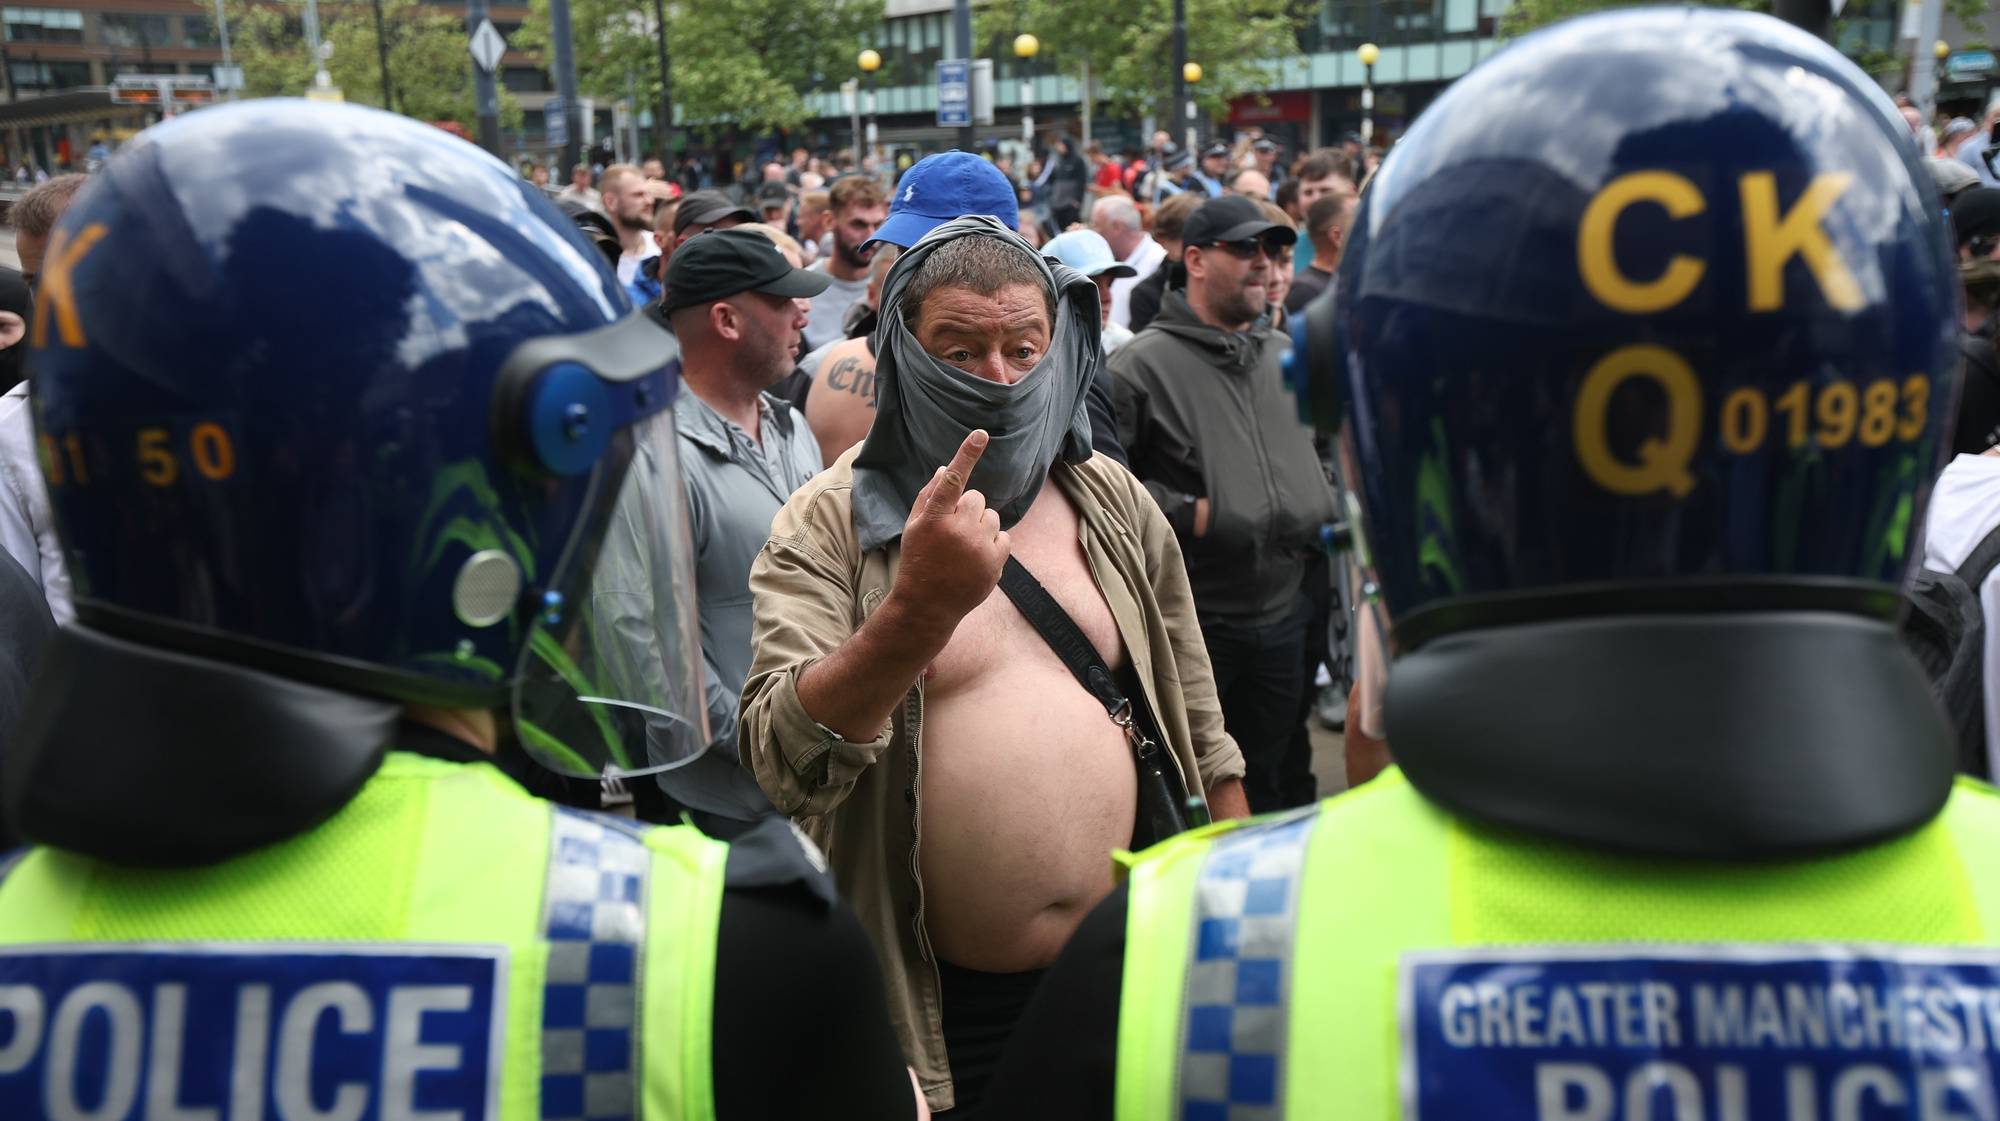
594, 918
1238, 1001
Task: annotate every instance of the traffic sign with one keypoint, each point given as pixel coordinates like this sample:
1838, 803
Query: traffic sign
954, 93
228, 78
487, 46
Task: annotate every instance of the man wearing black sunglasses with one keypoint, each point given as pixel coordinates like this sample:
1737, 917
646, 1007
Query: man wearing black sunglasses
1204, 414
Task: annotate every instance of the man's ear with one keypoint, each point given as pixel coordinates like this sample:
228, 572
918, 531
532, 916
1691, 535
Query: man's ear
726, 320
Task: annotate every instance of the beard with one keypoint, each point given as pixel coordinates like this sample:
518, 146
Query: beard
853, 256
1238, 305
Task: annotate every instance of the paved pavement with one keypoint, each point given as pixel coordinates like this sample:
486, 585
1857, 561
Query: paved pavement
1329, 759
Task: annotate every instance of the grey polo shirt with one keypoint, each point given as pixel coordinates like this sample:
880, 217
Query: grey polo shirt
735, 487
734, 490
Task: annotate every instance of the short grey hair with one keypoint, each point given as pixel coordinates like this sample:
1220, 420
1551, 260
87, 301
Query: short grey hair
987, 265
1118, 210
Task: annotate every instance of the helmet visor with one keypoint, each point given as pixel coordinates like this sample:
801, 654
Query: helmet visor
610, 680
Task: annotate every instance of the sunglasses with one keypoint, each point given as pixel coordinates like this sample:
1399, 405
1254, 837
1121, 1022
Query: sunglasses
1270, 245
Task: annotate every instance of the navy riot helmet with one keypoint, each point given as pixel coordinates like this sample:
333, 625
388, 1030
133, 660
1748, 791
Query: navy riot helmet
1646, 340
335, 409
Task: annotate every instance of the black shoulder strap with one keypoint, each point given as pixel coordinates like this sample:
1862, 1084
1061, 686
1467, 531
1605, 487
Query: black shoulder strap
1062, 634
1980, 564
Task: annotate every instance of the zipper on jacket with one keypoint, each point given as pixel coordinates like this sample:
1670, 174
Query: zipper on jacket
1247, 401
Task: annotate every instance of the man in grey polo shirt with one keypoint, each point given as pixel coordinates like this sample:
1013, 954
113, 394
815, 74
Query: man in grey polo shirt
737, 308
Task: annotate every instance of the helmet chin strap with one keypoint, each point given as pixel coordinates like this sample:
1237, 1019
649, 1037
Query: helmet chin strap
197, 761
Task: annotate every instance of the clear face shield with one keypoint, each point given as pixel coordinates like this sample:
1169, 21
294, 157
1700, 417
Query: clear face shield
610, 683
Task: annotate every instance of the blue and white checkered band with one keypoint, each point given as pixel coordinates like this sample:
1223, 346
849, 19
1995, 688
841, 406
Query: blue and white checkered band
594, 919
1240, 974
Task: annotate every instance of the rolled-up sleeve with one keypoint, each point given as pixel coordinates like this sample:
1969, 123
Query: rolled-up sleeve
803, 610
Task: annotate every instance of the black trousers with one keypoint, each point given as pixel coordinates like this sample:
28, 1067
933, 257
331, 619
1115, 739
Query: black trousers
1260, 678
1297, 786
980, 1011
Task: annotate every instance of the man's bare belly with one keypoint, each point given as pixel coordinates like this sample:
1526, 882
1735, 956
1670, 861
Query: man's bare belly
1027, 785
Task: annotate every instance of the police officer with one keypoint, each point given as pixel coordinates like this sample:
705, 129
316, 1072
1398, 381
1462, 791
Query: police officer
1645, 343
363, 463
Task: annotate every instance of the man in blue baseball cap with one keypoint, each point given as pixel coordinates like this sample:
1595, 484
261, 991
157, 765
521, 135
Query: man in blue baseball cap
951, 185
946, 186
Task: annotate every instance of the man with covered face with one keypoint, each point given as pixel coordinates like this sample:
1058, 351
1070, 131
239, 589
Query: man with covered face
968, 789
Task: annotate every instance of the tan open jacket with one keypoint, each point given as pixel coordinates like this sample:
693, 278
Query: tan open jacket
861, 801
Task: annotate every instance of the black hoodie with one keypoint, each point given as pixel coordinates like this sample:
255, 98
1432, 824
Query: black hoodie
1204, 413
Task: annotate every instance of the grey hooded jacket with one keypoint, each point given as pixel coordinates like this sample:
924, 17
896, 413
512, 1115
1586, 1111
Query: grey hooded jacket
1204, 413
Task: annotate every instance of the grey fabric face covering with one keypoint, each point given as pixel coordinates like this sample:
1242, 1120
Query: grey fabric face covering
925, 408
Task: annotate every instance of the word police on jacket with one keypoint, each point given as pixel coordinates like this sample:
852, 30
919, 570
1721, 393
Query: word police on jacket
234, 1033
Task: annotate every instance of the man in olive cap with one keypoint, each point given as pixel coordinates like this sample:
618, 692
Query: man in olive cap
737, 306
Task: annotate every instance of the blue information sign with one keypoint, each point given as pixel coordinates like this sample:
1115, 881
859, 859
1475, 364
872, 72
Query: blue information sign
954, 93
1714, 1033
361, 1032
555, 124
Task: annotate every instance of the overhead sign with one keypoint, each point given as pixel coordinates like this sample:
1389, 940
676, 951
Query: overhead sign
152, 89
954, 93
487, 46
1975, 63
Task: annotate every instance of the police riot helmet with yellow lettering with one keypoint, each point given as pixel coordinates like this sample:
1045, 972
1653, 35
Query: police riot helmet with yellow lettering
338, 416
1646, 343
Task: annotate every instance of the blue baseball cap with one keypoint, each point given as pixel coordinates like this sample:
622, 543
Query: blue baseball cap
946, 186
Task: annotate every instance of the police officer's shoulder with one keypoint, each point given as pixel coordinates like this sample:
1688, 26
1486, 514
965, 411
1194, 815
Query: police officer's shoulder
776, 853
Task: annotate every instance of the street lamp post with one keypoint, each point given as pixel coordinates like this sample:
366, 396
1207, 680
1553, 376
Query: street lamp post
1190, 74
1367, 53
1183, 111
1026, 46
663, 129
1942, 50
870, 61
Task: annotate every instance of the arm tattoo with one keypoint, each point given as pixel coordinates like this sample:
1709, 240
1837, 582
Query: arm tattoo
850, 376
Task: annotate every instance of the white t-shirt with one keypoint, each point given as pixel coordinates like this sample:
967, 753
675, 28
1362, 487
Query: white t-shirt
628, 263
1965, 506
27, 528
588, 196
829, 308
1146, 258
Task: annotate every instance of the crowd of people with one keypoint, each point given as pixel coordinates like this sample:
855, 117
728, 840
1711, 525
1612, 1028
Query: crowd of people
869, 625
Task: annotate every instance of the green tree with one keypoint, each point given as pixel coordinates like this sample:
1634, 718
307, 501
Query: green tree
749, 63
1237, 42
430, 64
1525, 15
